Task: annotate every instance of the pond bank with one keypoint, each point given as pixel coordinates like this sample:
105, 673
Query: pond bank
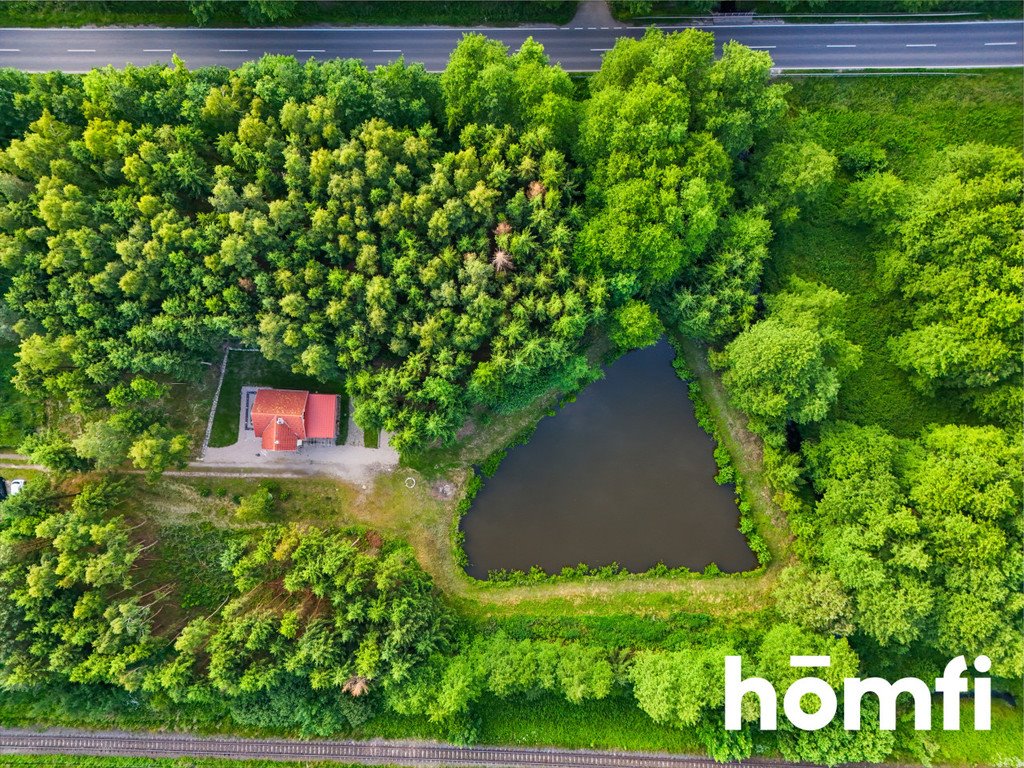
622, 475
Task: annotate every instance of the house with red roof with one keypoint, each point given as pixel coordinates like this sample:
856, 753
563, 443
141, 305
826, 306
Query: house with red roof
285, 418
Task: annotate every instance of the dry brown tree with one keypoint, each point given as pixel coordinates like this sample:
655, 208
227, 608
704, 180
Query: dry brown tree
356, 686
501, 261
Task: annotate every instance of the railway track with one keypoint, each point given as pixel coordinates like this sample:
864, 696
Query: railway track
419, 754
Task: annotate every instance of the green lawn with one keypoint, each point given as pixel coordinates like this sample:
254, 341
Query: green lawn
911, 118
613, 723
19, 414
175, 13
251, 368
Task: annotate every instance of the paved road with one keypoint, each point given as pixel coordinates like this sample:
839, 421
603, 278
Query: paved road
579, 48
122, 744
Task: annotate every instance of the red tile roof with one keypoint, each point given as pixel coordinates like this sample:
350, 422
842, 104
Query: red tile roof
321, 416
278, 437
282, 417
280, 402
287, 404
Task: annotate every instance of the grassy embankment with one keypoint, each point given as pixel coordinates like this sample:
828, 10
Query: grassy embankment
176, 13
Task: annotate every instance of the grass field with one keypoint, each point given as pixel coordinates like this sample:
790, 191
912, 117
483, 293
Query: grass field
912, 119
176, 13
252, 369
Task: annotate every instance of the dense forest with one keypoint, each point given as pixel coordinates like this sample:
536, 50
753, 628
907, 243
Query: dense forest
455, 244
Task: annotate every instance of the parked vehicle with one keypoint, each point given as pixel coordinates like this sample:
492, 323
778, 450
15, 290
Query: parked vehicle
3, 489
16, 486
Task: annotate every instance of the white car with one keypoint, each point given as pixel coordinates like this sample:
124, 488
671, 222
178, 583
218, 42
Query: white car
16, 486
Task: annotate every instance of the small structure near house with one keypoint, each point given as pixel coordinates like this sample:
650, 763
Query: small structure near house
285, 418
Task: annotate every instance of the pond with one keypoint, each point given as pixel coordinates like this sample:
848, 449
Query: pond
623, 474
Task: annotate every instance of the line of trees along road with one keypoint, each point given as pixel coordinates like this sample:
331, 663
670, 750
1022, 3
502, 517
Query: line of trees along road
453, 244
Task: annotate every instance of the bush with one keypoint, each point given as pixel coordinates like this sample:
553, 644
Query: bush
257, 505
634, 325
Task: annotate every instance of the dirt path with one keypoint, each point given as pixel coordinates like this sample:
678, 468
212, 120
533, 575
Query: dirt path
196, 469
594, 14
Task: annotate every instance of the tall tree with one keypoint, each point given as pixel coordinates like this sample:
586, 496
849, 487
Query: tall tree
959, 264
789, 366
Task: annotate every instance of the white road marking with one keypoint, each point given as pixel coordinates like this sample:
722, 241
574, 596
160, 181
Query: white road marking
10, 50
81, 50
233, 50
387, 50
599, 50
843, 45
311, 50
156, 50
920, 45
1010, 43
762, 47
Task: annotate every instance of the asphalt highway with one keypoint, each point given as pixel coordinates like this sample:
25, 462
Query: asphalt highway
836, 46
